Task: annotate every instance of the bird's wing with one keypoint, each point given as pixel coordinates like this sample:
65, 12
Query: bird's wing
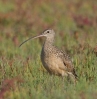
68, 65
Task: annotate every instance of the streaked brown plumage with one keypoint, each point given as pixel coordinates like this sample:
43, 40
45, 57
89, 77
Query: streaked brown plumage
55, 61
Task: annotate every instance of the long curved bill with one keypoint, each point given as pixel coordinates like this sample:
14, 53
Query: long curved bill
30, 39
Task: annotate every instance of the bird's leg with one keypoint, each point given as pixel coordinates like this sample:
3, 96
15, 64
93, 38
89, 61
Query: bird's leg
64, 76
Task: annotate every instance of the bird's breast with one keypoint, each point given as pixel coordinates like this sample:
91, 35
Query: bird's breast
51, 62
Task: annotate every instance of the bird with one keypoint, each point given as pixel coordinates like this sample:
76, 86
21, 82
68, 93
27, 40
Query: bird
54, 60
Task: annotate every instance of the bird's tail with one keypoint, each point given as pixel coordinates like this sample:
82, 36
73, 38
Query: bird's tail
73, 77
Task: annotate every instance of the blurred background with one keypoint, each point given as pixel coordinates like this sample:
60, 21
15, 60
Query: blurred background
22, 75
22, 18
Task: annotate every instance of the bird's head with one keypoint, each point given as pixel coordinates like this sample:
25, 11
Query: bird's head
47, 33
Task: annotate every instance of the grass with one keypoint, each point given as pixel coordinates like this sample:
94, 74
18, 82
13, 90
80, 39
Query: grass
22, 75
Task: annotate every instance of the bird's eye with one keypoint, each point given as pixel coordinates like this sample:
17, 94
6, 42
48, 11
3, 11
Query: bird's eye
47, 31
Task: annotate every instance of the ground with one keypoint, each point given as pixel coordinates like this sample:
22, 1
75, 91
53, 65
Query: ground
22, 75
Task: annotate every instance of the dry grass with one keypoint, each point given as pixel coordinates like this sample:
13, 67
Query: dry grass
22, 75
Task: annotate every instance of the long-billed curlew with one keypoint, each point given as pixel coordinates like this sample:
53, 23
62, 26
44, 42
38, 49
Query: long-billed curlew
55, 61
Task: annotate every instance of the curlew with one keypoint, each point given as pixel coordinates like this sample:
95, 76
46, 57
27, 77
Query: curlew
54, 60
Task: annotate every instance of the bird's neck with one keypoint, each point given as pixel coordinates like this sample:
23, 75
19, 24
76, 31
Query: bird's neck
48, 44
49, 41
